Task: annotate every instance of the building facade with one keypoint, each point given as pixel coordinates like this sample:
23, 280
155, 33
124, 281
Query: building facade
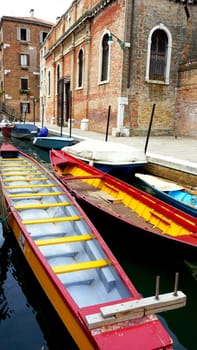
20, 40
86, 76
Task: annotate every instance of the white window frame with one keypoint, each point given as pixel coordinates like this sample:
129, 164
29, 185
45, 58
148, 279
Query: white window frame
24, 59
166, 81
19, 34
80, 86
100, 82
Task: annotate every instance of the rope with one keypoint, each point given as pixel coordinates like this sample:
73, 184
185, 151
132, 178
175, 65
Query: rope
4, 219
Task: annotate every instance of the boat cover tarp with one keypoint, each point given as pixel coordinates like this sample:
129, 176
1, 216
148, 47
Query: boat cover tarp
106, 152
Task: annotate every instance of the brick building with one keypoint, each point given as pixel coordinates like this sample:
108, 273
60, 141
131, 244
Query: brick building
84, 76
20, 39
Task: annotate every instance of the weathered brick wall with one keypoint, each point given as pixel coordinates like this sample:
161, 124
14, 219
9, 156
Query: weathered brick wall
186, 101
127, 68
12, 81
148, 14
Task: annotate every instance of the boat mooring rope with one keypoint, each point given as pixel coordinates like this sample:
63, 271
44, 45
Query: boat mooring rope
5, 218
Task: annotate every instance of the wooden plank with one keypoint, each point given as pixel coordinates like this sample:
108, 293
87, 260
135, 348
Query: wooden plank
41, 205
22, 167
107, 197
2, 160
94, 264
28, 179
18, 165
29, 186
83, 177
31, 195
160, 217
49, 220
159, 183
61, 240
150, 305
135, 309
22, 174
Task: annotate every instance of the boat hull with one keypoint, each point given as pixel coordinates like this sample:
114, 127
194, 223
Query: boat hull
124, 204
24, 131
175, 194
53, 142
108, 156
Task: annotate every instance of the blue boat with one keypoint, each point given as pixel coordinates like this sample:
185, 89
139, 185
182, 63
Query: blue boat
53, 142
175, 194
24, 131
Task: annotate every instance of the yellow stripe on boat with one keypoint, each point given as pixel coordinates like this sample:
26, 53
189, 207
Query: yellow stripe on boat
28, 179
13, 159
48, 220
21, 166
41, 205
22, 174
80, 266
28, 195
60, 240
30, 186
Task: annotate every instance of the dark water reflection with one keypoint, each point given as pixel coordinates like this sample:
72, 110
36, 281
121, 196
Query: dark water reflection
27, 319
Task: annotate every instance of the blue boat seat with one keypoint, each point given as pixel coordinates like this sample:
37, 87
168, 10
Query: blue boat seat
87, 281
56, 212
52, 258
46, 235
105, 273
107, 278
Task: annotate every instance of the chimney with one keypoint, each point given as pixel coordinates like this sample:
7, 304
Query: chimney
32, 12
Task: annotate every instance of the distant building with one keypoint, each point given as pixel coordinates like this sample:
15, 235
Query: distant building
152, 60
20, 40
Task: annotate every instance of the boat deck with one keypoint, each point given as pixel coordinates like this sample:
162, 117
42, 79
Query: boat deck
107, 202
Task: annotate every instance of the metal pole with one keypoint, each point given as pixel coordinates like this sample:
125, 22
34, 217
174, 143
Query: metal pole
34, 104
108, 118
42, 115
149, 129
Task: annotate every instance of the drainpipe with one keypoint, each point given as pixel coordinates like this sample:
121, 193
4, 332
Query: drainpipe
131, 44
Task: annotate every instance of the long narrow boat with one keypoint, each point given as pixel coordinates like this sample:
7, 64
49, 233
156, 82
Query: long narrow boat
181, 197
132, 210
93, 296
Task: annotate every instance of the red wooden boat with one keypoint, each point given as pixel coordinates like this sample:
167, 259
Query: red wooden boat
7, 130
133, 210
91, 293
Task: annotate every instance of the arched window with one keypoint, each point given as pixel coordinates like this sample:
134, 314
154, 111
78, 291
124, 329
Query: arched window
105, 58
80, 68
57, 79
159, 55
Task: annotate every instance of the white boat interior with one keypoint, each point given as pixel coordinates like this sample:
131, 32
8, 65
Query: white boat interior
62, 235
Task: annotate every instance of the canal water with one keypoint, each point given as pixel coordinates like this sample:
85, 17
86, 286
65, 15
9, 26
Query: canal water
29, 322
